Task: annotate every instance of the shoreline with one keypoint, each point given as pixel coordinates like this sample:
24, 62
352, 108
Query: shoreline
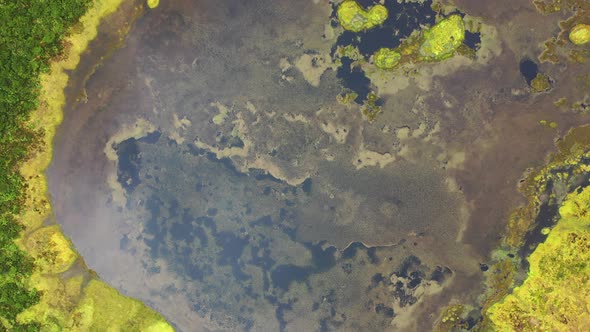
72, 295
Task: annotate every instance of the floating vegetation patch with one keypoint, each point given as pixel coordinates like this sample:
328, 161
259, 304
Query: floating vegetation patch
410, 34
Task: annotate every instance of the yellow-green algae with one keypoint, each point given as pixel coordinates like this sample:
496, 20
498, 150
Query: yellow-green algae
65, 299
102, 308
51, 250
557, 46
580, 34
354, 18
541, 83
386, 58
451, 319
573, 151
442, 40
556, 294
153, 3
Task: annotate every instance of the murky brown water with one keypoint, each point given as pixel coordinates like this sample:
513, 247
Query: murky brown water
212, 174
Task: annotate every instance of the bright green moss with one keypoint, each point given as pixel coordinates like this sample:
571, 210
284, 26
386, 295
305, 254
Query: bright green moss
354, 18
580, 34
153, 3
555, 295
386, 58
441, 41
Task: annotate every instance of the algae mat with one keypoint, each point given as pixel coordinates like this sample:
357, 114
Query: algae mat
244, 165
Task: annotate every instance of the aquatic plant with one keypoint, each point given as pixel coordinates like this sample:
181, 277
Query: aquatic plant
153, 3
386, 58
441, 41
555, 295
451, 319
541, 83
370, 107
580, 34
354, 18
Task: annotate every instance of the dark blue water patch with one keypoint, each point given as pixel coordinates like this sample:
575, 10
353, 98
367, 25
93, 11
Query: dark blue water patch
207, 222
201, 235
173, 208
323, 259
354, 79
152, 227
194, 150
381, 308
415, 279
440, 274
129, 164
529, 69
372, 254
261, 256
350, 251
366, 4
376, 279
232, 247
472, 40
265, 221
547, 216
280, 314
231, 142
374, 39
181, 231
306, 186
151, 138
226, 163
409, 264
283, 275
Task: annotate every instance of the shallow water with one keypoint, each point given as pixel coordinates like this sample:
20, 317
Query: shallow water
213, 174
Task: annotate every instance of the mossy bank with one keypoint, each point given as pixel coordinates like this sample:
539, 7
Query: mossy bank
45, 285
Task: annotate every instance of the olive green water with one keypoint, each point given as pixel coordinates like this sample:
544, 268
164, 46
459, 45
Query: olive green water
213, 174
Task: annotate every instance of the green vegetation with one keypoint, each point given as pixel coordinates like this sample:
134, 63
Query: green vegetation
386, 58
354, 18
30, 36
555, 295
451, 319
541, 83
100, 310
580, 34
153, 3
370, 108
442, 40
